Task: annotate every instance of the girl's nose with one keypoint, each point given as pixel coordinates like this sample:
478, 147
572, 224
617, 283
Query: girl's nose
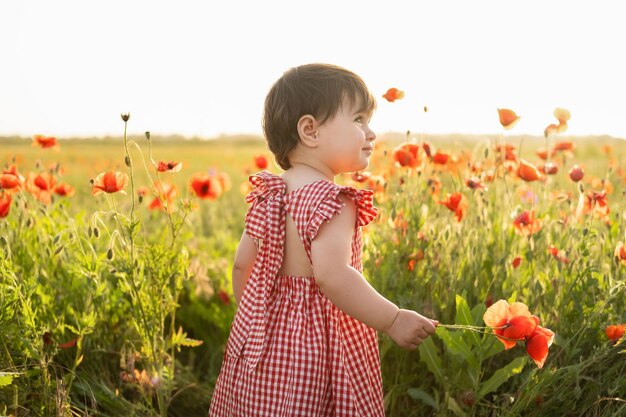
370, 135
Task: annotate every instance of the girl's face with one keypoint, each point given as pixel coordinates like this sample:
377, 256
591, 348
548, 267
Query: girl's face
347, 140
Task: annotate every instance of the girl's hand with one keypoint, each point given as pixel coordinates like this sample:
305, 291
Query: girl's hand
409, 329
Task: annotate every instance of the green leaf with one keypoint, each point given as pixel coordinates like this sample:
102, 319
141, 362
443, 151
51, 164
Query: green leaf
455, 407
429, 355
500, 376
456, 344
423, 396
464, 316
6, 378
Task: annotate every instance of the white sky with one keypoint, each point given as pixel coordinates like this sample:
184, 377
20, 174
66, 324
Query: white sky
70, 67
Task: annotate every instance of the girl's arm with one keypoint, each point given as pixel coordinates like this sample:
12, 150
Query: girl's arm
348, 289
242, 266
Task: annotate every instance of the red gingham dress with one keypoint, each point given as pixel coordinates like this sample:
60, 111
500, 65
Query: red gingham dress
291, 352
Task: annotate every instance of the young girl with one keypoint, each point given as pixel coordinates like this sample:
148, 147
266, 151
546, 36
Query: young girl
304, 342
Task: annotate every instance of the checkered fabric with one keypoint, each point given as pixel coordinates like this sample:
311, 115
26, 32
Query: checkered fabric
291, 352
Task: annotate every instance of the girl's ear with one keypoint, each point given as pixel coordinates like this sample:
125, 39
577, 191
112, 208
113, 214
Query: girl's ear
308, 131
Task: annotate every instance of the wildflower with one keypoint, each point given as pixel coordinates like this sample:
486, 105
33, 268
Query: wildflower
165, 193
64, 189
563, 146
393, 94
576, 173
475, 183
206, 186
508, 118
407, 155
558, 254
41, 186
414, 259
45, 142
125, 116
527, 171
525, 223
440, 158
260, 161
538, 345
562, 115
457, 203
163, 166
543, 154
5, 204
68, 344
615, 332
510, 321
223, 295
361, 176
596, 202
516, 262
620, 253
552, 129
109, 182
549, 168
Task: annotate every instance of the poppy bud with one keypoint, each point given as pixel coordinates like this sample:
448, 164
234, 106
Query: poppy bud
3, 240
58, 250
56, 238
576, 173
96, 232
89, 231
125, 116
127, 161
140, 198
110, 254
425, 109
147, 135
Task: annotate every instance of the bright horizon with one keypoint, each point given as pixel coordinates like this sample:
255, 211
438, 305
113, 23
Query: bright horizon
197, 69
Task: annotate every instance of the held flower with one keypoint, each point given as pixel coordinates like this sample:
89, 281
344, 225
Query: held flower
109, 182
512, 322
538, 345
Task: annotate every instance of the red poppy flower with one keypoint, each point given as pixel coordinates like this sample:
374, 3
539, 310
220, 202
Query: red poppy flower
615, 332
620, 253
9, 181
260, 161
510, 321
224, 297
563, 146
165, 193
440, 158
508, 118
527, 171
516, 262
109, 182
475, 184
45, 141
41, 186
5, 204
558, 254
457, 203
525, 223
393, 94
163, 166
538, 345
549, 168
206, 186
64, 190
68, 344
576, 173
543, 154
596, 203
407, 155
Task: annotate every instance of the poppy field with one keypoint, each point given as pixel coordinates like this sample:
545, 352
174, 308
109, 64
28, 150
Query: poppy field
115, 260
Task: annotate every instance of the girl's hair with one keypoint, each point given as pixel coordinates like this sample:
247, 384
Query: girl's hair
315, 89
